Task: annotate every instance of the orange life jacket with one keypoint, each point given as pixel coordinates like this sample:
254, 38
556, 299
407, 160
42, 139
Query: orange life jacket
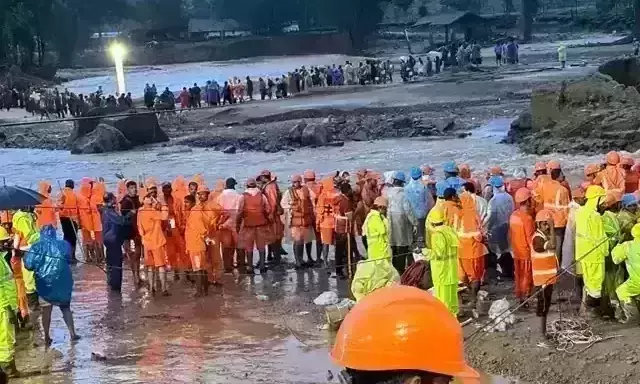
301, 208
69, 204
555, 198
253, 212
543, 264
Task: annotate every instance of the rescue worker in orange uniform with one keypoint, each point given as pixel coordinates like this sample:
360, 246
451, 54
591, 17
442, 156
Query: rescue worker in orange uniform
540, 176
175, 243
611, 177
464, 219
298, 207
213, 212
632, 176
68, 211
590, 173
325, 218
555, 198
368, 195
196, 236
401, 335
315, 189
544, 264
98, 192
272, 192
254, 228
150, 219
86, 220
229, 201
46, 212
521, 230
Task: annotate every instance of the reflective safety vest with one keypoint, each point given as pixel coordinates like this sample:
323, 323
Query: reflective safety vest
556, 199
68, 204
301, 208
254, 214
543, 264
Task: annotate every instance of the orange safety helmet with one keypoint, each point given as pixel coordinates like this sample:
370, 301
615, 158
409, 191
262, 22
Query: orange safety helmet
553, 164
540, 166
591, 169
402, 328
522, 195
543, 215
613, 158
203, 188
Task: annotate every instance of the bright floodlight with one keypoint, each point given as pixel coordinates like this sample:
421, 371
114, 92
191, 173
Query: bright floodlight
118, 51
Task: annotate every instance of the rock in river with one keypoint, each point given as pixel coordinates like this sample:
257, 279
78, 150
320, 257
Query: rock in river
230, 149
104, 138
315, 136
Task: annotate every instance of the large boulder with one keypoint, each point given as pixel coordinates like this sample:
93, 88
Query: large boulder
103, 139
137, 128
315, 136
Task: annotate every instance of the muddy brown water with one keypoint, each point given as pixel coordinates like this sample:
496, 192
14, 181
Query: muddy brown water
231, 336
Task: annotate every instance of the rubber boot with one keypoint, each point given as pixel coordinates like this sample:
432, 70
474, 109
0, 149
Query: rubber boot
298, 252
631, 313
10, 369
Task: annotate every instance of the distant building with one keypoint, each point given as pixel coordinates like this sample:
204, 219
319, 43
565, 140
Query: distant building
472, 25
205, 29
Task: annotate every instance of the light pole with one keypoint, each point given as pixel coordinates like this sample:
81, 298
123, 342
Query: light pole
118, 52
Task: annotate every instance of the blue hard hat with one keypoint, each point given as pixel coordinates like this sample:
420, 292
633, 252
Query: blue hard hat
629, 199
416, 173
441, 186
496, 181
450, 167
400, 176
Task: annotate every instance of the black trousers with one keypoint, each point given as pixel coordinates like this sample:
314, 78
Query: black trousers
69, 231
402, 258
341, 252
544, 301
114, 265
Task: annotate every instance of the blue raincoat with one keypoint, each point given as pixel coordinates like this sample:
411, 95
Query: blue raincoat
49, 259
419, 198
501, 207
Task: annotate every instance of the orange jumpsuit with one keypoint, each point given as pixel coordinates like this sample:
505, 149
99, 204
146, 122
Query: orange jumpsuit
522, 227
175, 243
301, 213
46, 212
85, 214
471, 250
254, 213
325, 220
180, 190
150, 229
611, 178
196, 231
272, 193
97, 200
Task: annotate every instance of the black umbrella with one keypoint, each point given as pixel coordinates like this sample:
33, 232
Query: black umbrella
14, 197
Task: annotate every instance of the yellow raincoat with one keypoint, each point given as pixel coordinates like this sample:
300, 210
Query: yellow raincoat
627, 221
629, 252
591, 247
614, 274
377, 271
442, 254
8, 308
25, 225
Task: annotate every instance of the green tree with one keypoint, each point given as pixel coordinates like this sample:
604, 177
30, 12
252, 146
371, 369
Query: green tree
529, 10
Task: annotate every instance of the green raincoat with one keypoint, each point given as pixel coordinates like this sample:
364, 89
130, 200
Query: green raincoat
629, 252
25, 224
8, 308
377, 271
443, 257
591, 247
614, 274
627, 221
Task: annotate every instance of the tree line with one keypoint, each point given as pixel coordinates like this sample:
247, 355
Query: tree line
32, 29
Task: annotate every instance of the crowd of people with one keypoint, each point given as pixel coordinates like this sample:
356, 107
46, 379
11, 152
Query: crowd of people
52, 102
463, 224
